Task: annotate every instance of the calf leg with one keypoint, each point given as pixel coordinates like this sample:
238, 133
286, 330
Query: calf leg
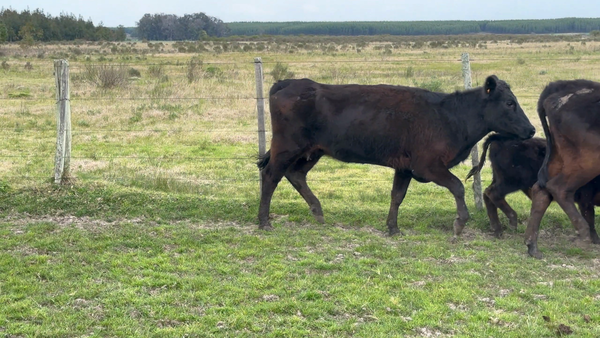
492, 212
540, 200
494, 197
296, 174
401, 182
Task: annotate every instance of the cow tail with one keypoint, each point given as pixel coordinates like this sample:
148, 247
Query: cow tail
263, 160
478, 168
543, 173
488, 142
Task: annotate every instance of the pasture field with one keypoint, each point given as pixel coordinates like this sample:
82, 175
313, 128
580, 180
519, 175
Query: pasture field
155, 235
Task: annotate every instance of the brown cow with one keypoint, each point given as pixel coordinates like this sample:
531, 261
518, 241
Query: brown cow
515, 166
420, 134
573, 152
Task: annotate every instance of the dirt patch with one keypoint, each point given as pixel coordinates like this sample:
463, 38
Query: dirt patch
19, 221
87, 165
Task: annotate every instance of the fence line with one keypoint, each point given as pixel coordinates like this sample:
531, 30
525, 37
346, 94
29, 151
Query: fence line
157, 98
82, 65
259, 77
83, 131
136, 157
237, 180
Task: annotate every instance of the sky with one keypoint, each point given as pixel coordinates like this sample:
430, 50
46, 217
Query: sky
127, 12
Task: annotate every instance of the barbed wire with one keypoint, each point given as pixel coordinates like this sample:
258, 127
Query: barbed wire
185, 179
75, 64
148, 98
173, 131
472, 59
82, 99
138, 157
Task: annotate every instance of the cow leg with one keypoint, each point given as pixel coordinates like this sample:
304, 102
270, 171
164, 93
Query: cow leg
296, 174
399, 188
587, 211
563, 190
440, 175
270, 177
540, 200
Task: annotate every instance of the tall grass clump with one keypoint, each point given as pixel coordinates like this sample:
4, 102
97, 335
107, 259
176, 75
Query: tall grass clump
106, 76
156, 70
280, 72
193, 68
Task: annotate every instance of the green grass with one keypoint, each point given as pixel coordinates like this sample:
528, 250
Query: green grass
105, 260
147, 274
155, 235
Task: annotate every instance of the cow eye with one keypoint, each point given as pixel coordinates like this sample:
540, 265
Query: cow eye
510, 104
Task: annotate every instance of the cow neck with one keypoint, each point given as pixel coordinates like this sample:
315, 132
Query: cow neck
466, 109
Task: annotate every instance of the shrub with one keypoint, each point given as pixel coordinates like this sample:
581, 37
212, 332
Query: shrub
434, 85
156, 70
132, 72
280, 72
213, 72
5, 65
28, 66
106, 76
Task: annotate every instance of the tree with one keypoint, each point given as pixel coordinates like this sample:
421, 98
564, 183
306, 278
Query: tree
3, 33
171, 27
29, 34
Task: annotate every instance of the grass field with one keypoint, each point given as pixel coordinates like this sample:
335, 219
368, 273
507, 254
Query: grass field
156, 233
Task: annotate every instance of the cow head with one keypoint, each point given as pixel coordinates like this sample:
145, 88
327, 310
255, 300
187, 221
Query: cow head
502, 112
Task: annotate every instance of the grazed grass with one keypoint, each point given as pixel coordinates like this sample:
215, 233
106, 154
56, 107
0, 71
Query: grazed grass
156, 235
67, 276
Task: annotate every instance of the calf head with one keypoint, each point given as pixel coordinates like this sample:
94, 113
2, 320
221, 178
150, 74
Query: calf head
502, 112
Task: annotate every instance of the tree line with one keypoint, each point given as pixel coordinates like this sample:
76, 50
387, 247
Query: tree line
544, 26
29, 26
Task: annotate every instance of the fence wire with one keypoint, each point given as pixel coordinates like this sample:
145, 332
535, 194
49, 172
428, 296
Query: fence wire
51, 101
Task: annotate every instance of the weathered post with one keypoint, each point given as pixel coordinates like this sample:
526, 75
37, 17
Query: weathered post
62, 160
260, 108
466, 70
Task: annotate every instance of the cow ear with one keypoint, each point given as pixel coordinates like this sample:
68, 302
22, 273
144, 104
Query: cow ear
490, 84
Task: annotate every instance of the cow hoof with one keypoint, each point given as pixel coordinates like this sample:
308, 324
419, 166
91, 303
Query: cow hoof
458, 228
395, 232
267, 227
595, 239
581, 240
533, 252
454, 239
497, 234
320, 219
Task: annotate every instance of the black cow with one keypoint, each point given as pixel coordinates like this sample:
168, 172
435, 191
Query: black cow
515, 166
572, 157
420, 134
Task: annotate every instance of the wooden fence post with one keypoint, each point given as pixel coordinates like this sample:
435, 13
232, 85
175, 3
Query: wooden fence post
260, 108
62, 160
466, 70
